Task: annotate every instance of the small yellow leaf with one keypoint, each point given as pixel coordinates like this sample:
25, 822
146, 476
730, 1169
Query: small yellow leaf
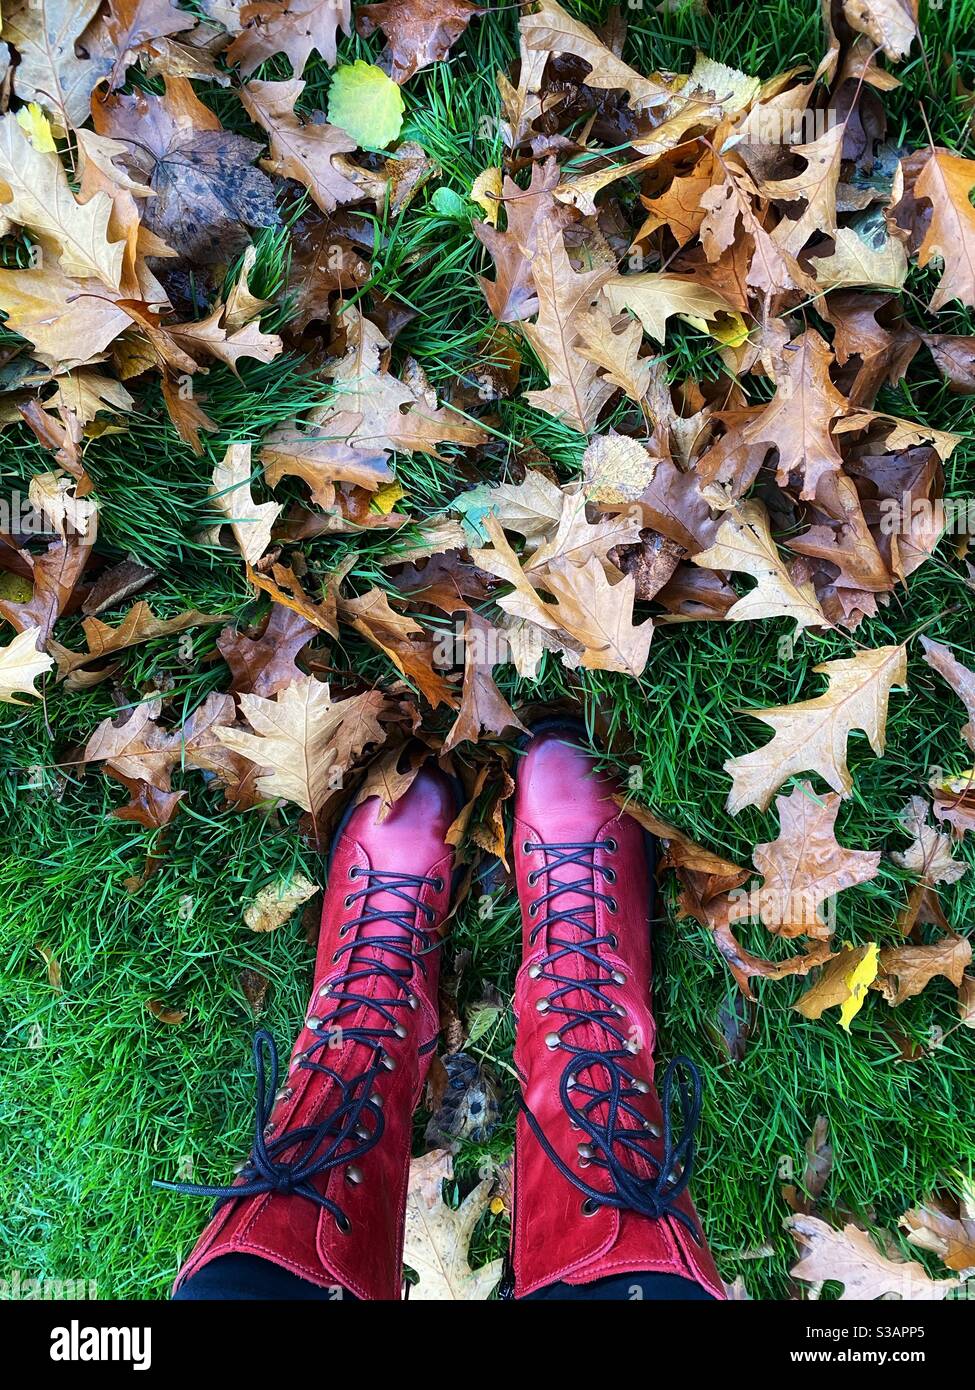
486, 192
728, 328
497, 1206
386, 498
32, 119
858, 982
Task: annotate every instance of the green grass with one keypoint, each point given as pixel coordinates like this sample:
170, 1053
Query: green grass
97, 1097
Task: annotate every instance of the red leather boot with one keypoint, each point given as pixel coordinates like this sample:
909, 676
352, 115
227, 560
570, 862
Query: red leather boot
324, 1190
600, 1176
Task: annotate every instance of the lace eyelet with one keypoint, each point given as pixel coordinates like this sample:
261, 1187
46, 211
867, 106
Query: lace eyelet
542, 1005
353, 871
527, 847
348, 901
400, 1031
353, 1174
335, 956
613, 940
343, 1223
609, 875
438, 884
589, 1207
613, 905
532, 879
532, 909
610, 845
552, 1041
654, 1131
619, 978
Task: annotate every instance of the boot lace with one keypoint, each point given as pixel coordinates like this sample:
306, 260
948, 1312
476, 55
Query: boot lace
597, 1087
291, 1162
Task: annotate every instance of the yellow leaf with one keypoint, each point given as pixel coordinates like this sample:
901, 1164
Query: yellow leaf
486, 192
387, 497
859, 980
32, 119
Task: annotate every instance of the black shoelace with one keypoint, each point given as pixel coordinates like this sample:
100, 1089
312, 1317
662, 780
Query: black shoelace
600, 1110
355, 1124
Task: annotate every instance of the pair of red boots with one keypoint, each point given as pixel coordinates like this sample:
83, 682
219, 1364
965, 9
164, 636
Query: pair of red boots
600, 1180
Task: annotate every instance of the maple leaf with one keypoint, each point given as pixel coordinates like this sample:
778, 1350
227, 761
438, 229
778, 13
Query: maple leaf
294, 27
811, 736
576, 392
797, 420
208, 194
49, 71
947, 180
303, 740
806, 864
744, 544
20, 665
231, 494
849, 1257
417, 32
301, 150
36, 194
438, 1237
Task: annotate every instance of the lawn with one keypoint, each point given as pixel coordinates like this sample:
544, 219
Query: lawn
98, 1097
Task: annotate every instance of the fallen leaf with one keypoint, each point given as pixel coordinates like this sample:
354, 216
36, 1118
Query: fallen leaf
366, 104
811, 735
293, 27
745, 545
301, 150
20, 665
277, 902
417, 32
438, 1237
303, 741
231, 495
849, 1257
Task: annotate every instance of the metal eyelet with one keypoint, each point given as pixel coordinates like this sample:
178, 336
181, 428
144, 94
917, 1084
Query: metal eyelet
527, 847
532, 878
589, 1207
353, 1174
438, 884
348, 901
335, 956
532, 909
361, 1132
389, 1062
609, 875
613, 905
585, 1155
642, 1087
653, 1130
344, 931
343, 1223
542, 1005
376, 1099
283, 1093
610, 845
619, 1011
399, 1030
552, 1040
619, 978
353, 871
534, 971
313, 1022
612, 940
325, 989
412, 1001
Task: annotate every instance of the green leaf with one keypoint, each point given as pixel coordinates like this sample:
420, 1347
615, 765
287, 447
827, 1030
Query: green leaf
367, 104
450, 204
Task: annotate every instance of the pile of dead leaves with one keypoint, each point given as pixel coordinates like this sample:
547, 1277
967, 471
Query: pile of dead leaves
774, 218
